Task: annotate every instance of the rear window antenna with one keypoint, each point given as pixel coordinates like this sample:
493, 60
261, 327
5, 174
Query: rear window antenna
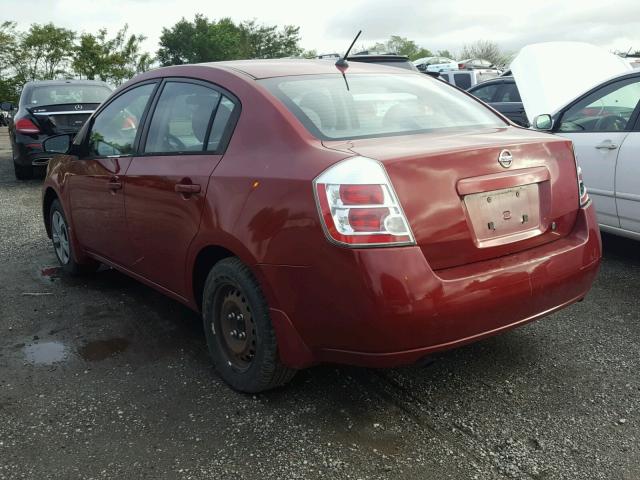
342, 61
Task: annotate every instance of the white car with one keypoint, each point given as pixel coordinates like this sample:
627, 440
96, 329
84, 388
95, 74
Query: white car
599, 110
435, 64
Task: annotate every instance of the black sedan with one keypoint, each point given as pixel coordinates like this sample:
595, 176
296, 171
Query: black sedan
47, 108
502, 94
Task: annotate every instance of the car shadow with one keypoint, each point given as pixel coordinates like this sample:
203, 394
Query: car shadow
620, 248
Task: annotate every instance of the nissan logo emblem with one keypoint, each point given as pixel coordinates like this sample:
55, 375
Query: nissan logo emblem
78, 107
505, 159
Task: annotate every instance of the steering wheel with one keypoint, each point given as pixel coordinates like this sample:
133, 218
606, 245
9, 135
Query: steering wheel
614, 123
175, 143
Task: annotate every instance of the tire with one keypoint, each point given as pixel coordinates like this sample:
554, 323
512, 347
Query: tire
62, 245
233, 302
23, 172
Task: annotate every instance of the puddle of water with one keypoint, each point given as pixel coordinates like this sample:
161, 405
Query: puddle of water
101, 349
46, 353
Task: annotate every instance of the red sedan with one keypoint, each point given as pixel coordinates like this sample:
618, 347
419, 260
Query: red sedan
371, 218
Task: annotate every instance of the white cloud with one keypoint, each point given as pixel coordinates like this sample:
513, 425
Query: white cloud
330, 25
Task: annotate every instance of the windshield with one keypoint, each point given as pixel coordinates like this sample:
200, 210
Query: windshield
67, 93
378, 105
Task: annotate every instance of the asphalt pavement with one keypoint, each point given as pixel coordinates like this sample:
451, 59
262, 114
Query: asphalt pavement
102, 377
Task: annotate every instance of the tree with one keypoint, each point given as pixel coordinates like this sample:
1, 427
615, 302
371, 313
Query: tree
8, 87
267, 41
110, 60
485, 50
204, 40
401, 46
42, 53
445, 53
199, 41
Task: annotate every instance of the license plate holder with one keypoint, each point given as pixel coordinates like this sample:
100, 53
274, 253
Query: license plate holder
504, 216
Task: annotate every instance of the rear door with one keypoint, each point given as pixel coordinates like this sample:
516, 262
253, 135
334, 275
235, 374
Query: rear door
598, 124
184, 140
96, 179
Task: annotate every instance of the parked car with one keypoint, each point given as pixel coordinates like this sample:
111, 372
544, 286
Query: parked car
435, 64
466, 79
474, 63
602, 122
47, 108
390, 59
502, 94
372, 221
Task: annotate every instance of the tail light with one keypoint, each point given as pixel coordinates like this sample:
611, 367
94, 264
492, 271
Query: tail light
461, 66
583, 194
359, 207
582, 189
24, 125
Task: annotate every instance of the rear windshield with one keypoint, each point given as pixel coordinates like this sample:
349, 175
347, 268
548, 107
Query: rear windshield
68, 93
378, 105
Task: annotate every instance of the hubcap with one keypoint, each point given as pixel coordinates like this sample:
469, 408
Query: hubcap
236, 328
60, 236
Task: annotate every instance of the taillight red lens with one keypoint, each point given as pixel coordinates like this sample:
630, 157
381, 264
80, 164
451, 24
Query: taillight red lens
361, 194
24, 125
367, 219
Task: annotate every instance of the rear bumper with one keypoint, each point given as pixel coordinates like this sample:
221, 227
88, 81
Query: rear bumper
387, 307
28, 151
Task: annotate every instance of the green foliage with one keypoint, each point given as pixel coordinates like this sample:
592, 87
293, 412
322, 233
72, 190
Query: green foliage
110, 60
204, 40
445, 53
401, 46
42, 53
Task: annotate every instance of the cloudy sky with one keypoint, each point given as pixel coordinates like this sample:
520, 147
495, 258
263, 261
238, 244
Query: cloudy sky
330, 25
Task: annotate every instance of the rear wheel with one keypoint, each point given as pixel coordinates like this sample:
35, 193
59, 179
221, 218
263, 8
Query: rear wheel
23, 172
238, 329
62, 244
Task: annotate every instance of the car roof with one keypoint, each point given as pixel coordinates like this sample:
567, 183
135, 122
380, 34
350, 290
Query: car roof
37, 83
289, 67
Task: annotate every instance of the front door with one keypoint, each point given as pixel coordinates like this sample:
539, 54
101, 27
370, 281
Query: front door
598, 125
96, 182
628, 183
167, 182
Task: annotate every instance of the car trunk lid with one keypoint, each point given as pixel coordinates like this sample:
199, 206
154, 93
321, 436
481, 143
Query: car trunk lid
463, 206
66, 118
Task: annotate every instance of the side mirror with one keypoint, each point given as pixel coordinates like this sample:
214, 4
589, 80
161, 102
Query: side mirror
57, 144
543, 122
7, 106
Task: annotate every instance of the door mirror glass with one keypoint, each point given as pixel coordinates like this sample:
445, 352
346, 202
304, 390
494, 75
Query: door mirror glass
543, 122
57, 144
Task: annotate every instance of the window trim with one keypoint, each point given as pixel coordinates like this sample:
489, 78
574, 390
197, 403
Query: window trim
632, 125
226, 135
84, 143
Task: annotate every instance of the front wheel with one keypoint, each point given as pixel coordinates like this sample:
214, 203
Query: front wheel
238, 329
62, 245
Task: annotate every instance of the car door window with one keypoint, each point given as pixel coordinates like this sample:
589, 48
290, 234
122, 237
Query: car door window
608, 109
114, 129
224, 114
508, 93
486, 92
181, 118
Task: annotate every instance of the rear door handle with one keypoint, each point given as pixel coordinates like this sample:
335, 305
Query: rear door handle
115, 184
187, 188
606, 146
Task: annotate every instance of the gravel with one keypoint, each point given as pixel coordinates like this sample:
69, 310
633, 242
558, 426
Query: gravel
102, 378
